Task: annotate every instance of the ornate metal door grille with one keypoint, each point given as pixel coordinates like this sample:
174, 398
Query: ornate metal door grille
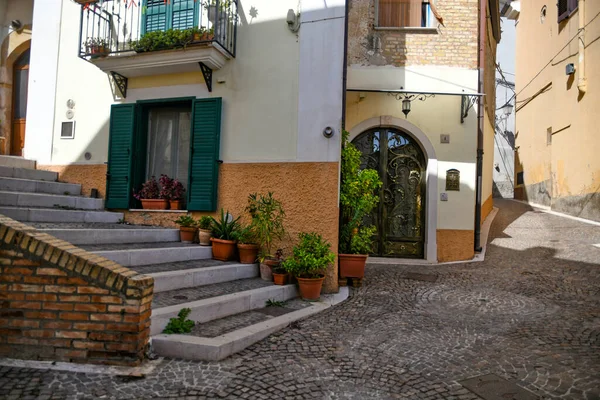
400, 217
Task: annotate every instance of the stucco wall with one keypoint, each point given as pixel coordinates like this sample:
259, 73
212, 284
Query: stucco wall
566, 173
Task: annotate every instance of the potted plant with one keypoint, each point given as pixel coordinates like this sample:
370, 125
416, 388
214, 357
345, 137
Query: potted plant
358, 197
223, 240
96, 47
171, 190
246, 244
84, 2
308, 263
204, 231
280, 275
149, 195
187, 228
267, 218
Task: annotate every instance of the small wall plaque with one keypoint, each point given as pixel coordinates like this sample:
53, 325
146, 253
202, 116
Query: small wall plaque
453, 179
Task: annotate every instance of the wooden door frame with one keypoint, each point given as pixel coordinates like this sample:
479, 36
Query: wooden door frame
17, 121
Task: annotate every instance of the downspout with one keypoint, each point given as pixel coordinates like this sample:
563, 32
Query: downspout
480, 120
582, 83
345, 73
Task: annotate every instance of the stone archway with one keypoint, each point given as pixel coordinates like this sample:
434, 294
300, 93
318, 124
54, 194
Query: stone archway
13, 47
431, 172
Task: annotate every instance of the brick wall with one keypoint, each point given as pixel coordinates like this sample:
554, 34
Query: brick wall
59, 302
454, 44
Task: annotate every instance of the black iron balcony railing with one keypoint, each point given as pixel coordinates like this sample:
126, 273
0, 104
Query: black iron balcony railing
110, 27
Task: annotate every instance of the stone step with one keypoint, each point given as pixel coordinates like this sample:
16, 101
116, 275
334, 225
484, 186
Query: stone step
16, 162
113, 236
44, 200
188, 278
151, 253
218, 339
216, 301
30, 214
26, 173
33, 186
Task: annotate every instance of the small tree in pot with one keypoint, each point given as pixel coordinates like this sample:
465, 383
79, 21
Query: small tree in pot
359, 195
267, 218
247, 244
149, 195
308, 263
187, 228
204, 231
223, 240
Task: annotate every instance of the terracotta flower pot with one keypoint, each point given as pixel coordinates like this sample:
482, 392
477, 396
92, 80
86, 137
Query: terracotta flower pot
223, 250
310, 288
280, 279
266, 269
248, 253
175, 204
204, 236
187, 234
154, 204
352, 265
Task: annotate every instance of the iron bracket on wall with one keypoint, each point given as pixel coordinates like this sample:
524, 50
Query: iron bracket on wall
121, 82
207, 73
467, 102
411, 96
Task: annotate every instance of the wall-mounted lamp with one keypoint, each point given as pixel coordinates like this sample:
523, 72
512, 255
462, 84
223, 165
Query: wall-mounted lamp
570, 69
507, 109
328, 132
17, 25
293, 21
405, 107
408, 97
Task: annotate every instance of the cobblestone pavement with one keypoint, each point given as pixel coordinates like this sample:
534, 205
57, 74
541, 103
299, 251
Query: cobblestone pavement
529, 313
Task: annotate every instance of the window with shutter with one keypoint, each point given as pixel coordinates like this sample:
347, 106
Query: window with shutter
204, 155
120, 152
566, 8
174, 14
404, 14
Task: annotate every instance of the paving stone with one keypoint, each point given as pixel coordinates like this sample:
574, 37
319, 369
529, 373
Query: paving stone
530, 314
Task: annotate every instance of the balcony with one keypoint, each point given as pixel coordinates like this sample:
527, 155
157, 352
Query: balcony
147, 37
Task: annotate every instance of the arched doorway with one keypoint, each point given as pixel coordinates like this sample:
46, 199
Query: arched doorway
402, 166
19, 109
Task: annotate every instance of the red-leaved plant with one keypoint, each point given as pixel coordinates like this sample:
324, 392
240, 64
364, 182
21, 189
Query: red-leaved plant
171, 189
149, 190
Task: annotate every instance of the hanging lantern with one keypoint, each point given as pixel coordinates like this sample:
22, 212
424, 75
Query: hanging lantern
406, 107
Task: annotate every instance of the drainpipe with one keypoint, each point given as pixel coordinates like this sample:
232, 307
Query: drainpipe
480, 120
345, 73
582, 84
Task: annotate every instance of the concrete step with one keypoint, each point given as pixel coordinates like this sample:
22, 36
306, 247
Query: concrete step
26, 173
33, 186
113, 236
19, 199
227, 299
187, 278
158, 253
16, 162
29, 214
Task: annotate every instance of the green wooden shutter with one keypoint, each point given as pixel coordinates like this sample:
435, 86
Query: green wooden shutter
120, 150
204, 155
157, 16
184, 14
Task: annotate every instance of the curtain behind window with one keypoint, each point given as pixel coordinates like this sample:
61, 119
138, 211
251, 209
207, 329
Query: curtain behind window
400, 13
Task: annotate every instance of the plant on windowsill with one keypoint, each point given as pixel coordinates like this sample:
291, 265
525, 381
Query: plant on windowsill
359, 195
187, 228
97, 47
247, 244
308, 263
223, 240
204, 231
267, 218
163, 40
149, 195
201, 34
171, 190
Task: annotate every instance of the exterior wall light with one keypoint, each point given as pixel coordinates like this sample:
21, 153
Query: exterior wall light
508, 109
406, 107
408, 97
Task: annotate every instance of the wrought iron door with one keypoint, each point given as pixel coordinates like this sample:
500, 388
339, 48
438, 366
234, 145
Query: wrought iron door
400, 217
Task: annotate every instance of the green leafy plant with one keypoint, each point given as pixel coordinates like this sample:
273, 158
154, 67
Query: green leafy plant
359, 195
205, 222
274, 303
225, 227
187, 221
267, 219
163, 40
310, 258
246, 234
181, 324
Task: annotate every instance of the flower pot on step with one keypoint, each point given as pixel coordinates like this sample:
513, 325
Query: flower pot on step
187, 234
352, 265
223, 250
280, 279
204, 235
310, 288
175, 204
154, 204
266, 269
248, 253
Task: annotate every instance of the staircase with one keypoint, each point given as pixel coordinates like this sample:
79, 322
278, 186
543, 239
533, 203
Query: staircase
185, 276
